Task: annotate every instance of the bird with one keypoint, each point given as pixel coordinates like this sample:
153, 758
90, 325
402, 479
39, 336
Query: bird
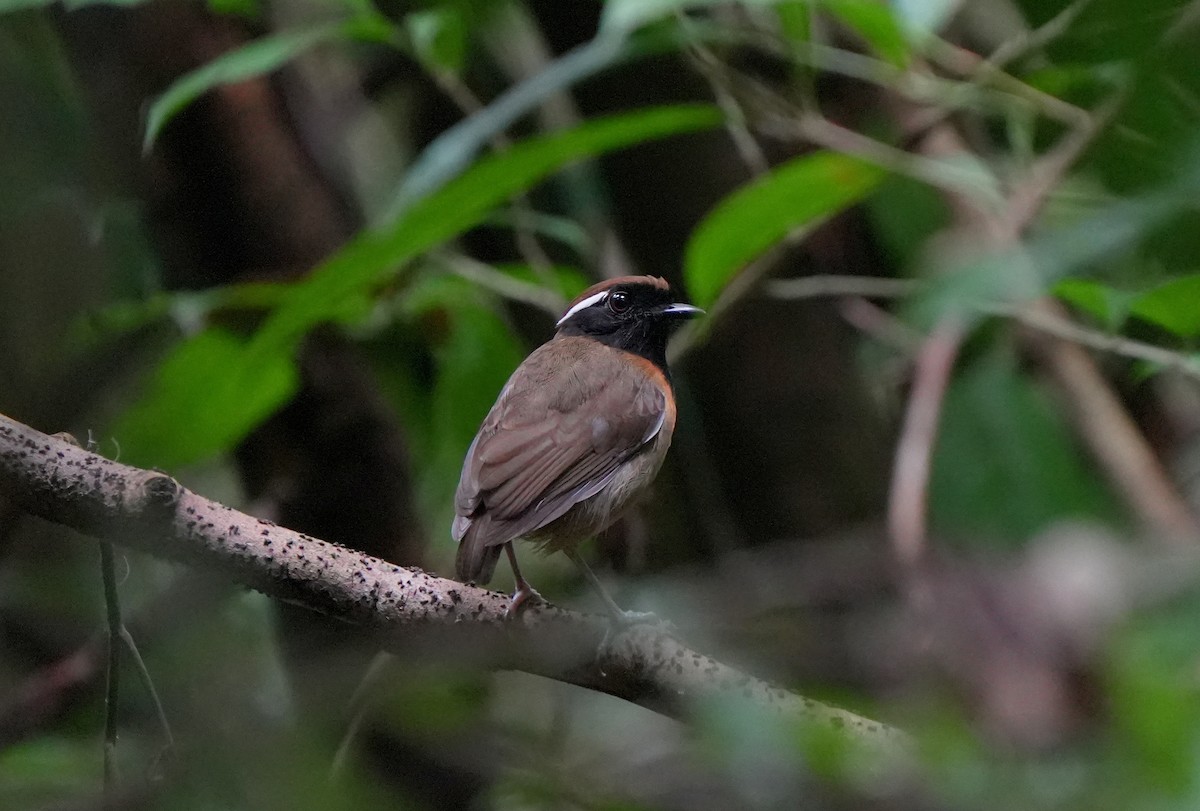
580, 429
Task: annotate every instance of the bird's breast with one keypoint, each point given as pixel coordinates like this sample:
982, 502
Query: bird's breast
593, 515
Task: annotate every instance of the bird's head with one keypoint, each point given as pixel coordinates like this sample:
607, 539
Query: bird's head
634, 313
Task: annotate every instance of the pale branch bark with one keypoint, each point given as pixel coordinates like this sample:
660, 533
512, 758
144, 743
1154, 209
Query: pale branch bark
405, 609
1116, 441
907, 519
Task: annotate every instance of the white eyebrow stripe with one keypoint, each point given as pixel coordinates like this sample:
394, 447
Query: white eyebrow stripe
595, 298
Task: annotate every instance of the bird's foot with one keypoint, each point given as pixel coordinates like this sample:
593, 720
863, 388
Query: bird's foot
624, 621
520, 597
627, 619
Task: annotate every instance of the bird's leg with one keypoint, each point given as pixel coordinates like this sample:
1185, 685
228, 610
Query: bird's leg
621, 616
523, 591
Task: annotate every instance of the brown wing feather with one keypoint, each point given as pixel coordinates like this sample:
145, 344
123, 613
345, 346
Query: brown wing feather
553, 438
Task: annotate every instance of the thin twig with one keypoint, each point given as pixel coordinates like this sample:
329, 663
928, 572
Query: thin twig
524, 236
517, 43
1031, 40
881, 325
148, 684
920, 85
738, 289
723, 81
1102, 420
717, 73
1027, 314
831, 285
1027, 197
950, 178
53, 689
918, 436
1045, 320
112, 608
893, 372
359, 705
970, 64
1117, 442
487, 277
982, 71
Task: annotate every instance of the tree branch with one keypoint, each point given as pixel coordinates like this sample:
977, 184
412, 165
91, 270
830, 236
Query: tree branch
907, 499
401, 607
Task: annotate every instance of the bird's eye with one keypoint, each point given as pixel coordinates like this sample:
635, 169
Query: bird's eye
618, 301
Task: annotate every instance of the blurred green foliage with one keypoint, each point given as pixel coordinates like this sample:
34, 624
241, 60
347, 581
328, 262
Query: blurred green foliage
214, 386
1001, 435
340, 290
264, 55
793, 197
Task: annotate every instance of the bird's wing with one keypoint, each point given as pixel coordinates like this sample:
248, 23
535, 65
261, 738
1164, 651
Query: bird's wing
558, 433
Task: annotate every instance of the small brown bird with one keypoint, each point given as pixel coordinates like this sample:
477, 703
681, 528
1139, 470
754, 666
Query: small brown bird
581, 427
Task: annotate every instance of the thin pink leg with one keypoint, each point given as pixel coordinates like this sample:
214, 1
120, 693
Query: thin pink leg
524, 591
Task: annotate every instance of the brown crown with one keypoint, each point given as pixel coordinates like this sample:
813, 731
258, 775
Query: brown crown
652, 281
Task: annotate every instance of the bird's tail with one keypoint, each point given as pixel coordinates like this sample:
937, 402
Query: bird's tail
476, 561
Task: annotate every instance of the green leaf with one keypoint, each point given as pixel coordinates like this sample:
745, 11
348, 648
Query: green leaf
206, 395
438, 37
473, 364
46, 769
241, 8
876, 23
187, 308
1174, 306
474, 351
452, 151
629, 15
797, 194
795, 20
463, 203
564, 230
565, 280
1065, 81
1107, 305
261, 56
1005, 465
905, 213
220, 388
1152, 696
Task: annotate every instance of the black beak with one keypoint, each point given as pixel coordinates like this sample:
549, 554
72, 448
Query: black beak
681, 311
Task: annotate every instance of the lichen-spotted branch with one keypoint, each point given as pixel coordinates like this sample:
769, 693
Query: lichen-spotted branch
405, 609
